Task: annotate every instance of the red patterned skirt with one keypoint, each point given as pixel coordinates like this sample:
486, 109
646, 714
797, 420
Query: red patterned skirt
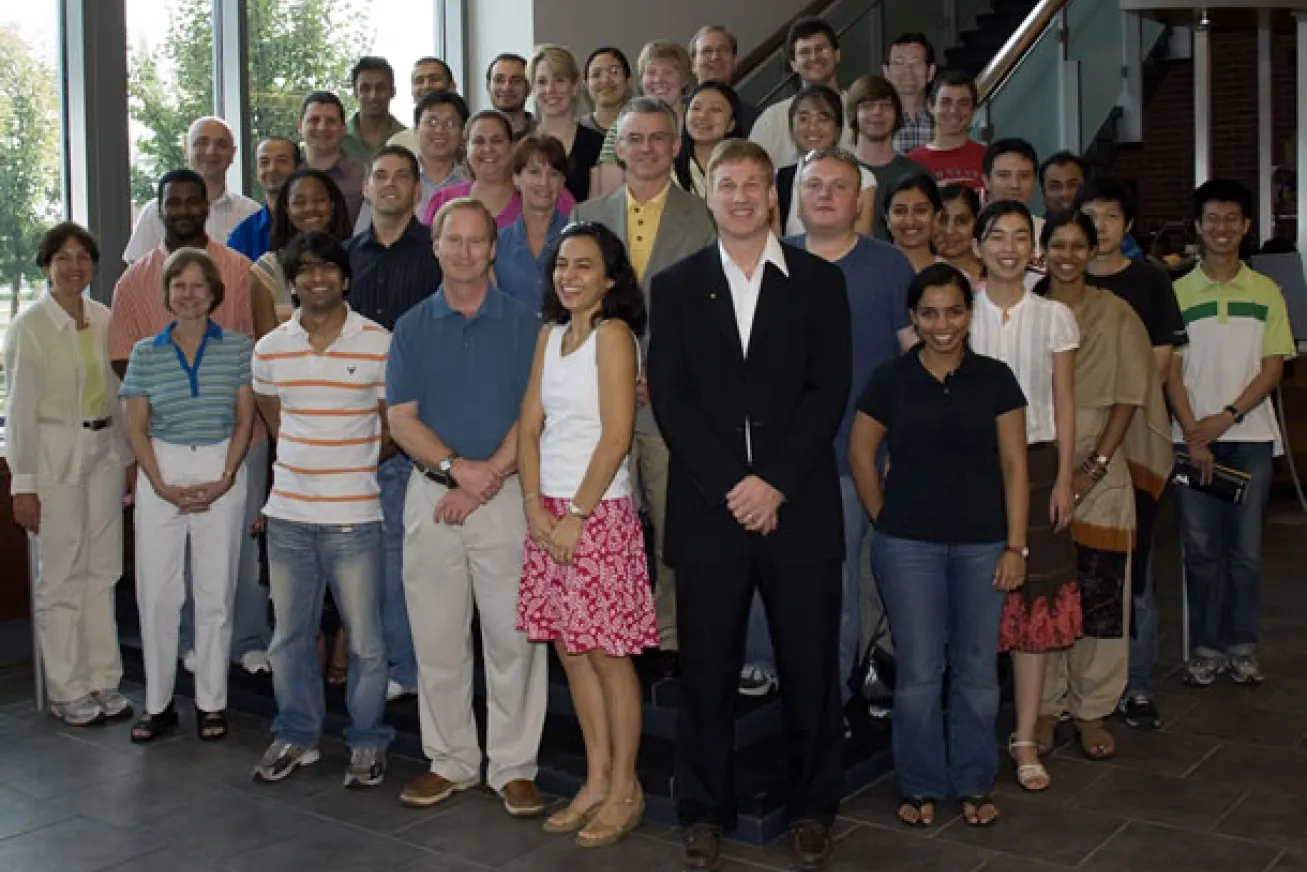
602, 600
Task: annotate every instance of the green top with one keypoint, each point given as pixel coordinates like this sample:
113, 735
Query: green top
356, 147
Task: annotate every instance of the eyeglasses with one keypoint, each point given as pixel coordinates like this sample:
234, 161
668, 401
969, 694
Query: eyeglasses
434, 123
808, 52
635, 140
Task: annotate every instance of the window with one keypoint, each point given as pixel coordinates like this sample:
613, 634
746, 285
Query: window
30, 150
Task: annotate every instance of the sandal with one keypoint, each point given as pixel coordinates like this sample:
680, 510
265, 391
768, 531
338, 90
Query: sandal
972, 806
149, 727
600, 834
1095, 740
1045, 733
1032, 777
210, 726
571, 819
916, 805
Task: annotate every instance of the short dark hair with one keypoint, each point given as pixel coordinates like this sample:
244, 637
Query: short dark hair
547, 148
1064, 217
1009, 145
624, 300
923, 182
184, 175
1105, 189
371, 64
326, 247
913, 37
184, 257
938, 275
295, 146
965, 193
400, 152
728, 93
493, 114
282, 230
872, 89
807, 27
827, 95
326, 97
432, 59
1001, 209
607, 50
504, 56
954, 79
57, 236
1061, 159
440, 98
1223, 191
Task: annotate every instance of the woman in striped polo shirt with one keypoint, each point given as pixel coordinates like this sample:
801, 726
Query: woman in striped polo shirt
190, 410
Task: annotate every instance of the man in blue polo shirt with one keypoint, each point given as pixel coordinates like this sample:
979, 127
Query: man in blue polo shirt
876, 275
274, 160
459, 366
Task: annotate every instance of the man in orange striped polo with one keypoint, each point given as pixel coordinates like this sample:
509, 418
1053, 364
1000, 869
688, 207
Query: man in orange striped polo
320, 383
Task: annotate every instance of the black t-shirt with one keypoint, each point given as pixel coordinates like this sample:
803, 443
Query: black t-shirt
585, 154
1149, 293
945, 480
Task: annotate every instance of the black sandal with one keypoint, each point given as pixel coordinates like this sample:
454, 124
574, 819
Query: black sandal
917, 804
149, 727
210, 726
975, 804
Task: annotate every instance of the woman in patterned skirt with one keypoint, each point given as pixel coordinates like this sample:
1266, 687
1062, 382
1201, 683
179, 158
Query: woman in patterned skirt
1037, 338
585, 583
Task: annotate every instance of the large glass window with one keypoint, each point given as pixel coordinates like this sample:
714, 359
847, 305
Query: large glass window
30, 150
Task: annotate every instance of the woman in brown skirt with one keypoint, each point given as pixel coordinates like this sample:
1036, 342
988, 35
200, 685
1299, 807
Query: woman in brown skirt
1037, 338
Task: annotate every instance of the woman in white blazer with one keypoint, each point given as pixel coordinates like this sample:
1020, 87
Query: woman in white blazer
66, 454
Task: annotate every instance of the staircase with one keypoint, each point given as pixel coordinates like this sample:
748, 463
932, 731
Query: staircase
977, 46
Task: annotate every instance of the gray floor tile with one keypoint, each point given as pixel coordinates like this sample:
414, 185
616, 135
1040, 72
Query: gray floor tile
562, 855
1151, 751
777, 853
1069, 776
1039, 830
75, 845
327, 845
139, 798
1158, 798
1148, 848
1274, 818
68, 765
232, 824
377, 809
1010, 863
1248, 721
879, 804
1256, 768
169, 860
476, 828
20, 813
902, 850
1290, 862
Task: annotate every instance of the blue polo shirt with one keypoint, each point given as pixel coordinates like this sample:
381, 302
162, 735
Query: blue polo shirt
190, 405
518, 272
253, 236
467, 375
876, 276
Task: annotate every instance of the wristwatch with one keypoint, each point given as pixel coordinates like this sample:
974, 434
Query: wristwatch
1023, 550
576, 512
1234, 413
443, 472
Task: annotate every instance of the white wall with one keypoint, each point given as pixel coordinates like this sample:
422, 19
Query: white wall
494, 26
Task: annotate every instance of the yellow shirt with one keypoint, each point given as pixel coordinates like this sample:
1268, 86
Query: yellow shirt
642, 228
93, 398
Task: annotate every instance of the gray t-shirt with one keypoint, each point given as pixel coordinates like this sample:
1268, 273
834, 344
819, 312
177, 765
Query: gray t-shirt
887, 176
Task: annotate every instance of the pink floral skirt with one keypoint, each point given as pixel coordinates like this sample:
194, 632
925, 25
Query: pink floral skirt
602, 600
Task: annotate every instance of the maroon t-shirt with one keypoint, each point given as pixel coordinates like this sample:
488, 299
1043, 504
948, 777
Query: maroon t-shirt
954, 166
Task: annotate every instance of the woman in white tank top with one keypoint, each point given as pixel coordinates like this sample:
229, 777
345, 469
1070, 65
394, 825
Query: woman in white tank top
585, 581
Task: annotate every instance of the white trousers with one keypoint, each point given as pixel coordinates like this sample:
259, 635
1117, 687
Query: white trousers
447, 571
162, 532
80, 549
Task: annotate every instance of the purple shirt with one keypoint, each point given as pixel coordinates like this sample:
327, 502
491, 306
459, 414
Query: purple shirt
513, 211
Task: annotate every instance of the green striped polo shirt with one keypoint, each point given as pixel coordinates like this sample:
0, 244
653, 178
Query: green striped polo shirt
190, 405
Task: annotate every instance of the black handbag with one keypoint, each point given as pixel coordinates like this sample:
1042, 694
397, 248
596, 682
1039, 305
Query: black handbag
873, 681
1227, 484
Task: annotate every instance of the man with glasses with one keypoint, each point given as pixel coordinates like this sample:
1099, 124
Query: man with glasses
911, 69
506, 82
713, 55
877, 116
813, 48
430, 74
660, 224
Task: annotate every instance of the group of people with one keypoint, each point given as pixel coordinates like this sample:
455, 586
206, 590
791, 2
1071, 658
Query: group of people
472, 355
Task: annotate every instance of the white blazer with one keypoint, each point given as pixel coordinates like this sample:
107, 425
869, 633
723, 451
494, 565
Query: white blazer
46, 375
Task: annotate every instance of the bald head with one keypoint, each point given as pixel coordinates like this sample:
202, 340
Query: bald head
210, 149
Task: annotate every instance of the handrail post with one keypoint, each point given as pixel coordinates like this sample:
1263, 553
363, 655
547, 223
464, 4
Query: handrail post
1202, 100
38, 663
1265, 133
1131, 126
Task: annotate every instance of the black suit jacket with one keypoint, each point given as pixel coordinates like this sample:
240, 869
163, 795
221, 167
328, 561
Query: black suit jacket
792, 388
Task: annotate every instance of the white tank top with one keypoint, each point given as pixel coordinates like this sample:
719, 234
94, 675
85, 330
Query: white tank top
569, 392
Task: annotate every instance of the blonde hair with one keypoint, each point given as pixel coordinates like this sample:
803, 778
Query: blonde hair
670, 52
471, 205
184, 257
735, 151
560, 60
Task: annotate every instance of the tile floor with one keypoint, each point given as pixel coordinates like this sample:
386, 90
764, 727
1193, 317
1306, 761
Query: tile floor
1222, 788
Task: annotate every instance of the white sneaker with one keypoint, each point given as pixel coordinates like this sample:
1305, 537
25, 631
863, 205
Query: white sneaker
394, 690
256, 662
112, 703
79, 713
189, 661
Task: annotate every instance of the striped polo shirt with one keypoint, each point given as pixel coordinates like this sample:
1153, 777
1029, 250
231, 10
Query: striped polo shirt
330, 438
190, 404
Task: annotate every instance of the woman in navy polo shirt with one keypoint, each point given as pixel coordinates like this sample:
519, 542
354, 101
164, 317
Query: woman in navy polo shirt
190, 410
950, 522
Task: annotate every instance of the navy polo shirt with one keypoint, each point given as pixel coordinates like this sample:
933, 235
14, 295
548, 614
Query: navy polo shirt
467, 375
253, 236
388, 281
876, 278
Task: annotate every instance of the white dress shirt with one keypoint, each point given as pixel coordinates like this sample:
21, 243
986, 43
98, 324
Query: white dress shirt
224, 214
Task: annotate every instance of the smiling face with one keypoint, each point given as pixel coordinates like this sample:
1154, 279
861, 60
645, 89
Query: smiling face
954, 110
662, 79
815, 59
71, 268
488, 146
319, 285
708, 118
1006, 248
391, 187
911, 219
1221, 228
741, 197
1068, 253
942, 318
907, 69
210, 149
274, 161
814, 125
876, 119
189, 294
429, 77
540, 185
579, 278
374, 89
184, 210
440, 132
464, 247
954, 229
1061, 184
606, 81
323, 127
555, 94
508, 86
308, 205
647, 144
828, 196
714, 58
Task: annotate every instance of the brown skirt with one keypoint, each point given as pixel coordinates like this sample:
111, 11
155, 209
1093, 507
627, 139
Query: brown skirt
1044, 613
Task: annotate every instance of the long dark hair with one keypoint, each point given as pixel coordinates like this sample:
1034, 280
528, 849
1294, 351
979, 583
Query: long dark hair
282, 230
681, 164
625, 300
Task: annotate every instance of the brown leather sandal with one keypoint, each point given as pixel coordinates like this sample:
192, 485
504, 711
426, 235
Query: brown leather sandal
1095, 739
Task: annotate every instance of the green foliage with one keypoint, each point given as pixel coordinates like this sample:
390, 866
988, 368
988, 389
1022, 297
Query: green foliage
29, 154
295, 46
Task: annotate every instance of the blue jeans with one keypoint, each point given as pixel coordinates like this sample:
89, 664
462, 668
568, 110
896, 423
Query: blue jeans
393, 476
1225, 539
944, 611
1143, 618
302, 560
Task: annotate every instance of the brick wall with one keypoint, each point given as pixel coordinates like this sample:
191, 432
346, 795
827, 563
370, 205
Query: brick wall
1162, 167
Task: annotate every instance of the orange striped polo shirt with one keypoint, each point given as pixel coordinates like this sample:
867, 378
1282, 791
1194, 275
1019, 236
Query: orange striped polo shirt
326, 469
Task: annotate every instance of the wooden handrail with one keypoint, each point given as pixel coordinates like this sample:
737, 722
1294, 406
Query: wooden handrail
1009, 57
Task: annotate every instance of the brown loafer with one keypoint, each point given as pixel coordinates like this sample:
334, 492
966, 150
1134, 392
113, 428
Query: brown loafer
703, 847
811, 843
522, 798
430, 789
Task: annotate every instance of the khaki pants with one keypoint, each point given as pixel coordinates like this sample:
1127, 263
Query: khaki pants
649, 463
1086, 680
447, 571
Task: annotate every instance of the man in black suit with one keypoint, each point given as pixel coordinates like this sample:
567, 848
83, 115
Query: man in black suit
749, 370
